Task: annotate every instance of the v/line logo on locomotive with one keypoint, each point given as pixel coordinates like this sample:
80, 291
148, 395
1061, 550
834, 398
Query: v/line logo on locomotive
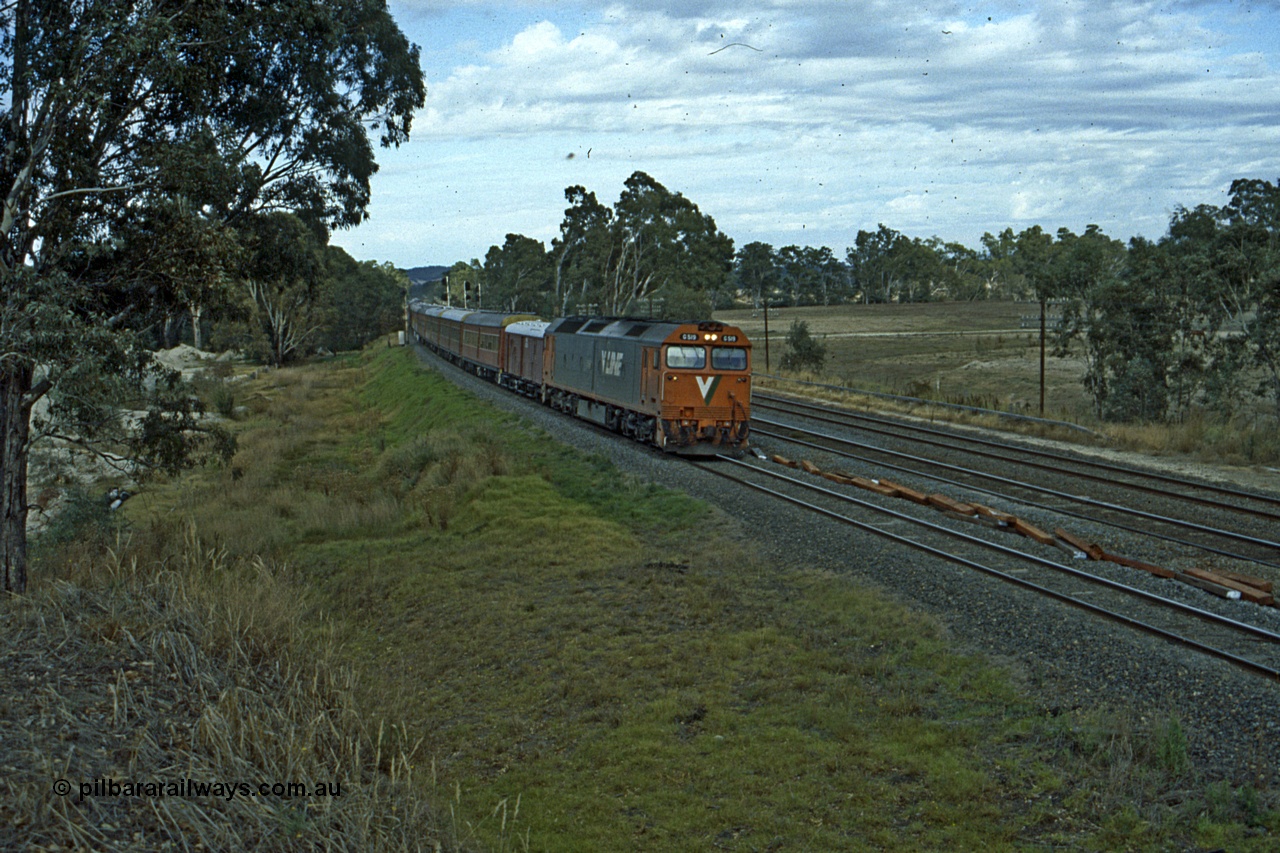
610, 363
707, 385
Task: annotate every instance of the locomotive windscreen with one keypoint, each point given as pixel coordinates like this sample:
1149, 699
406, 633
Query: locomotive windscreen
686, 358
729, 358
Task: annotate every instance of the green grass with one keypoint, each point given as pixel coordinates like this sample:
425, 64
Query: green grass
588, 662
187, 664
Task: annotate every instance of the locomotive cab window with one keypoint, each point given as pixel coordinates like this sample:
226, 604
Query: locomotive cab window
729, 358
686, 358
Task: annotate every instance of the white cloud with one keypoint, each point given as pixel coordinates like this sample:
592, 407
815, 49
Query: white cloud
1068, 65
804, 121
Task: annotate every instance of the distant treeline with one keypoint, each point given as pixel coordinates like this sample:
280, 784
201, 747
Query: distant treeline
1191, 319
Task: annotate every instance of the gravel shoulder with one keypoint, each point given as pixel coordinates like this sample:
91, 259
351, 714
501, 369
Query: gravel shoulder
1066, 660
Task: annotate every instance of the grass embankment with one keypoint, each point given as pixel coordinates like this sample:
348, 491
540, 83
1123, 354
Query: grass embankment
144, 703
589, 663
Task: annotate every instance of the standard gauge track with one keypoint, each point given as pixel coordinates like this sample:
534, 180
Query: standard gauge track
1106, 513
1255, 504
1250, 647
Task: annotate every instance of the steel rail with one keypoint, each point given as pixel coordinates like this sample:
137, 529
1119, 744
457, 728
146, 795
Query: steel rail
971, 487
1150, 516
1129, 621
1189, 609
762, 401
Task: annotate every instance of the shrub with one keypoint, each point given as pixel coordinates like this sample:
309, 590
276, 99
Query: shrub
804, 352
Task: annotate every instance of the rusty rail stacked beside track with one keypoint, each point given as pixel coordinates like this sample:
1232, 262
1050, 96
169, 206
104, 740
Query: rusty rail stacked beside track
1231, 585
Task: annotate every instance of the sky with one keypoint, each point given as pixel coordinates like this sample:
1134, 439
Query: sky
804, 121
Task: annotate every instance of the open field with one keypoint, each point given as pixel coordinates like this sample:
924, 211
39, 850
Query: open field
587, 662
971, 352
975, 354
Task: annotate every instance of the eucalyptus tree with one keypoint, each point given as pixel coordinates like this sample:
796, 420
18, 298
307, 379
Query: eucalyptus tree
1180, 269
584, 250
963, 275
756, 272
1000, 279
109, 107
870, 261
919, 269
651, 243
285, 275
187, 258
1248, 265
663, 242
366, 299
518, 275
813, 275
1088, 272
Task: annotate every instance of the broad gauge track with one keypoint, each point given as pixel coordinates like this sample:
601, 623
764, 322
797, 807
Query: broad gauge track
1250, 647
1232, 529
1258, 505
1104, 512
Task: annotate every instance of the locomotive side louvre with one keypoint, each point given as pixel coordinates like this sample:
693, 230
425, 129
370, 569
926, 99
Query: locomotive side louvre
593, 371
597, 358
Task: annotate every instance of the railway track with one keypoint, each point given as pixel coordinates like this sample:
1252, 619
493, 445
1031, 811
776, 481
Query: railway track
1206, 517
1255, 504
1250, 647
1079, 661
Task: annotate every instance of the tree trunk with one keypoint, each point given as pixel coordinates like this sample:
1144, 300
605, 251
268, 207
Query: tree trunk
196, 311
15, 421
169, 332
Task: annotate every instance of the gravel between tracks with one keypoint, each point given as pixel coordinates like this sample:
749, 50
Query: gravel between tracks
1066, 659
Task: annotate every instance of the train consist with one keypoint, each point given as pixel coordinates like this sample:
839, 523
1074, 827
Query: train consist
683, 387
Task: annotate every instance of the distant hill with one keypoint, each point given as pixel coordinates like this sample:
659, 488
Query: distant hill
424, 274
424, 281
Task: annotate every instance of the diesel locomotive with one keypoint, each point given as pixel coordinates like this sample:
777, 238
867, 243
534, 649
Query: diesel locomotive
682, 387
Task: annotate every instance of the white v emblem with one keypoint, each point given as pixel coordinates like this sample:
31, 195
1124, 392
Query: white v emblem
707, 385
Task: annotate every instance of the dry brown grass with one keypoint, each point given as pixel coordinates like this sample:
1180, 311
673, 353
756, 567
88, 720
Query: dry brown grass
197, 669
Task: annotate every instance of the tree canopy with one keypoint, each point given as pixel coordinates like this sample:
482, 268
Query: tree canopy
653, 244
210, 111
1190, 319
